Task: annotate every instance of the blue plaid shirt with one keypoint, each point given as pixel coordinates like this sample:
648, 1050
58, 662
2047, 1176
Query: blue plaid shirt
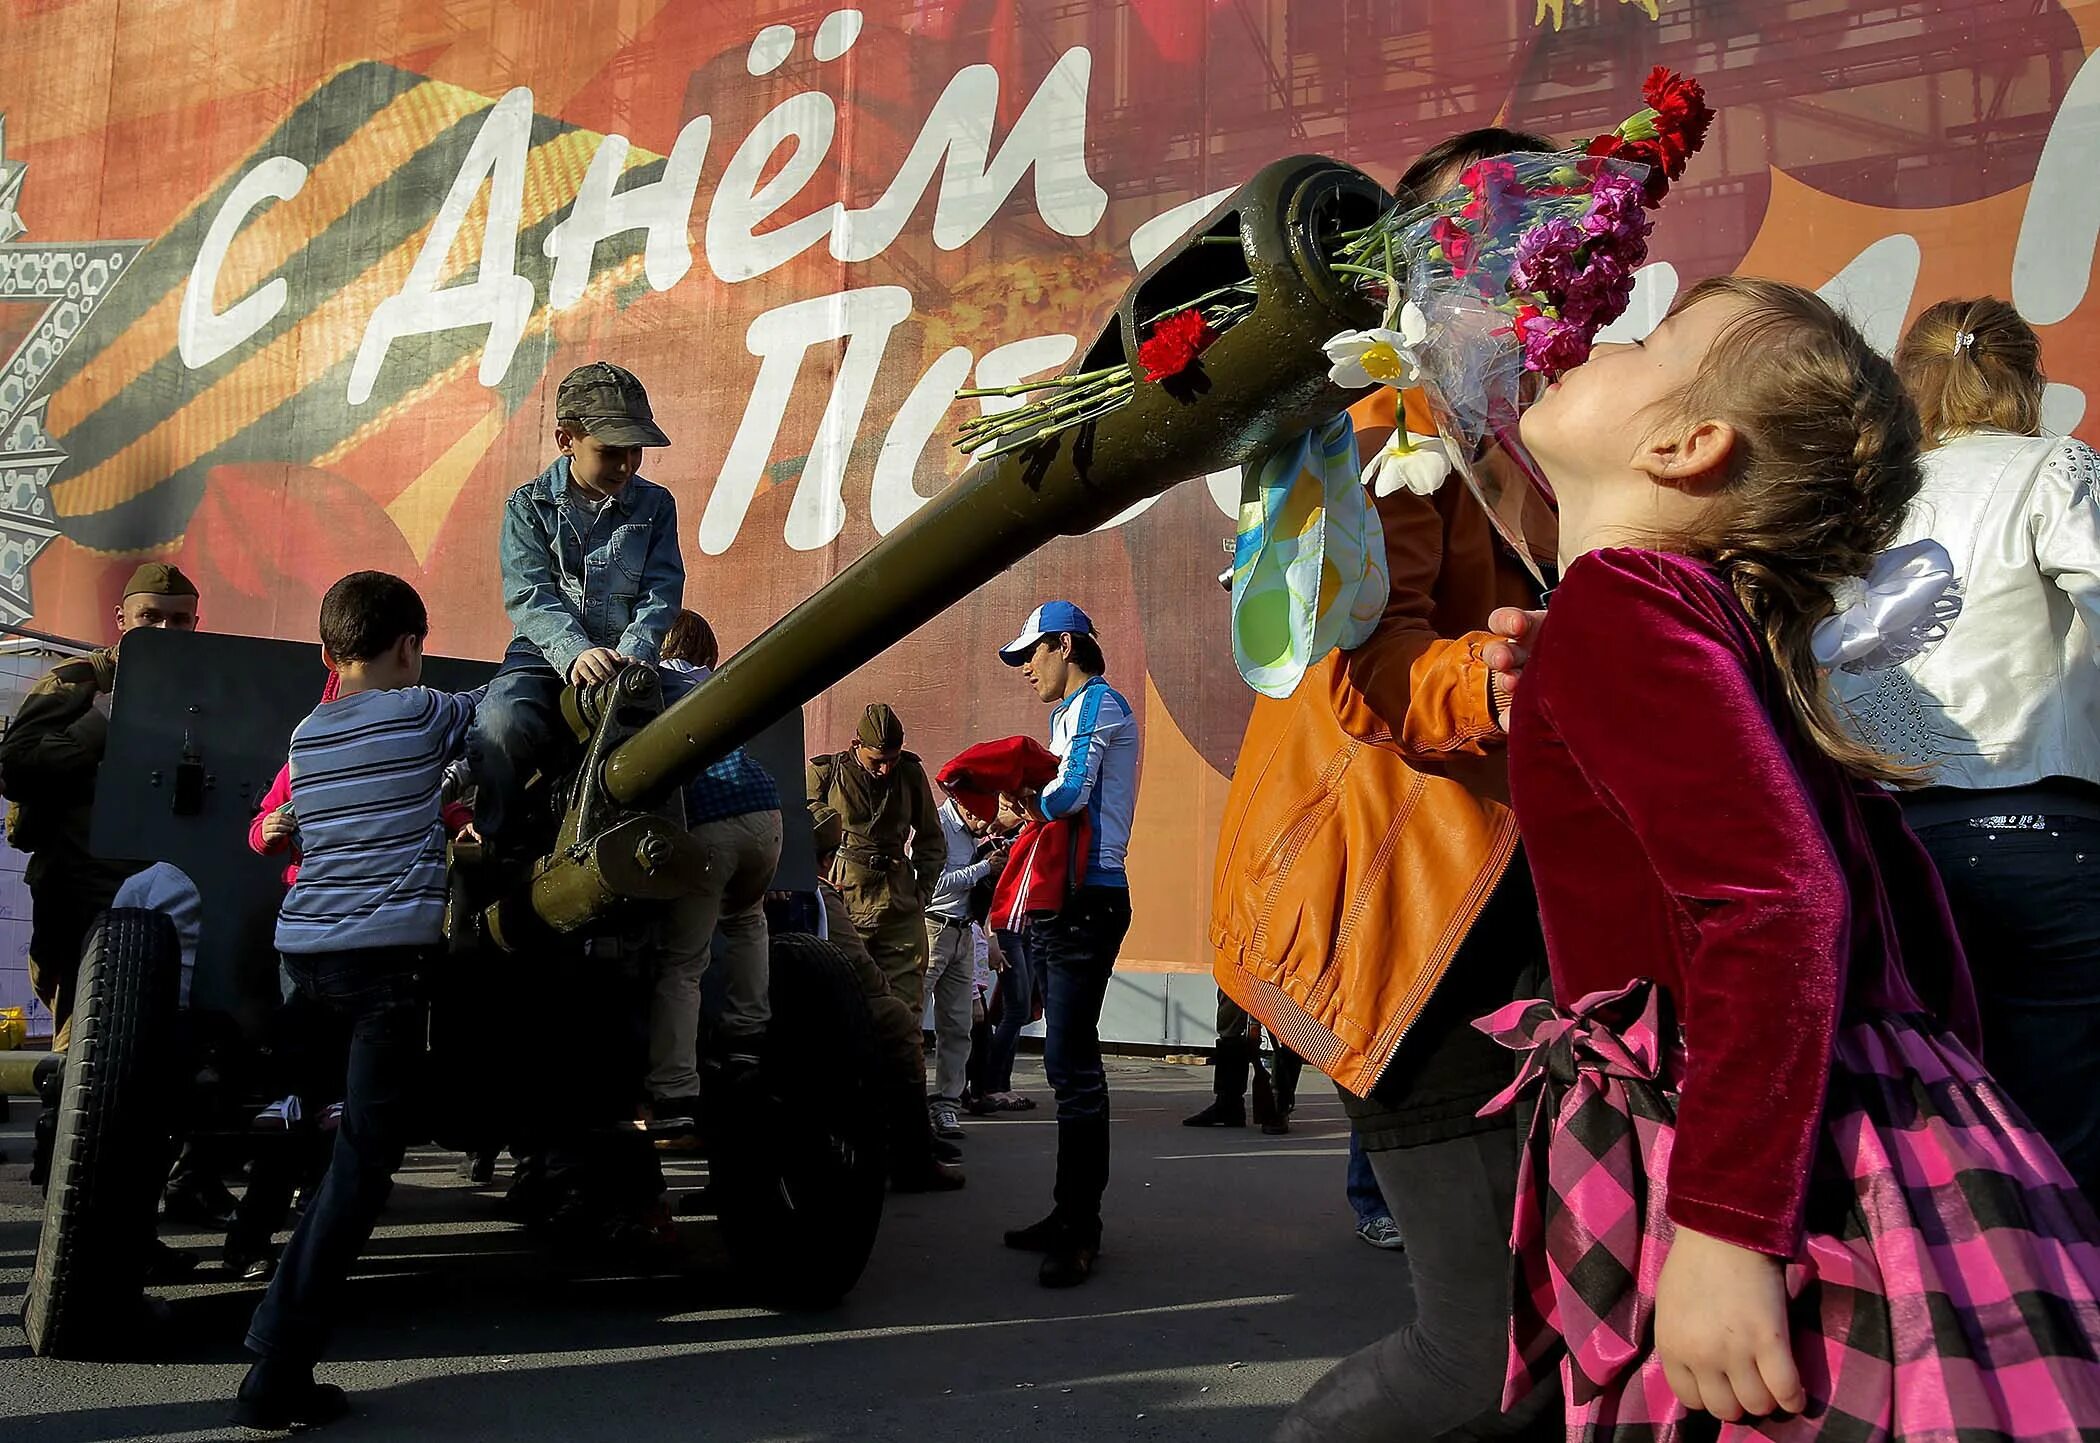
735, 786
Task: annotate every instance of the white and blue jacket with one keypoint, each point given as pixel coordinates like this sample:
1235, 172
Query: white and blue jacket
1094, 734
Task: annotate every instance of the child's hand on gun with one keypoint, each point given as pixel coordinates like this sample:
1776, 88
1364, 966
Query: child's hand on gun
280, 826
595, 667
1721, 1330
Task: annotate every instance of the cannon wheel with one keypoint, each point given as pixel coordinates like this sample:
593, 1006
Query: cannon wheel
111, 1149
804, 1199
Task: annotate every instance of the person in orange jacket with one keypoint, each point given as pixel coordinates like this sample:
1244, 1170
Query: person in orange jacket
1370, 902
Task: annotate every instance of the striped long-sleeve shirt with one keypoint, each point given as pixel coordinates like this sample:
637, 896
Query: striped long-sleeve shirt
1095, 737
367, 773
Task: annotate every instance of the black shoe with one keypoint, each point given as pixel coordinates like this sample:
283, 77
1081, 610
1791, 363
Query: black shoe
933, 1177
165, 1264
1069, 1264
199, 1205
1278, 1125
1039, 1237
945, 1151
1220, 1113
479, 1168
273, 1400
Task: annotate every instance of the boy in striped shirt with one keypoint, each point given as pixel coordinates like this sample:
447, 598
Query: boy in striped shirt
363, 919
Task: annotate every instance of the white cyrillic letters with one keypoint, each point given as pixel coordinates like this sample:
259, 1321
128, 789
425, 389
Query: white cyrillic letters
202, 335
741, 204
780, 338
498, 297
1050, 137
894, 496
663, 207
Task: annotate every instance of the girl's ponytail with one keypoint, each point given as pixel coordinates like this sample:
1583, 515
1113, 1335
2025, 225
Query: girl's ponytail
1824, 467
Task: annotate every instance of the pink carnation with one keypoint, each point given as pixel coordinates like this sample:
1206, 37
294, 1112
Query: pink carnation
1547, 256
1552, 346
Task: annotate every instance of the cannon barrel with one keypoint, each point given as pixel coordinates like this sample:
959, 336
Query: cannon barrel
1262, 382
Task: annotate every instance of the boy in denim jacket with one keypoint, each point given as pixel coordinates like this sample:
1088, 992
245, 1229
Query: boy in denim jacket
592, 579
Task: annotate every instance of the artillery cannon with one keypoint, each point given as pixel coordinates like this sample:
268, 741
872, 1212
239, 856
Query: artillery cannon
201, 722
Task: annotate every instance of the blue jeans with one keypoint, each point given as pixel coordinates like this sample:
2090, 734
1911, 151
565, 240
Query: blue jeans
517, 730
2027, 906
1016, 1001
374, 990
1077, 951
1365, 1200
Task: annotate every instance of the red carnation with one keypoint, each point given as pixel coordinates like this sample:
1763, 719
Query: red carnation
1174, 345
1639, 152
1682, 116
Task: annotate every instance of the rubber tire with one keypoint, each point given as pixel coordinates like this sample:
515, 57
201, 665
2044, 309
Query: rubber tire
803, 1196
111, 1152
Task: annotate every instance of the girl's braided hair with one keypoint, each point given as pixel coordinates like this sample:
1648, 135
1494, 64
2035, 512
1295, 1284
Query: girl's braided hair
1823, 468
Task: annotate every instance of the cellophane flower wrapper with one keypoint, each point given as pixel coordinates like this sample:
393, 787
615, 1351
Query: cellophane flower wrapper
1515, 272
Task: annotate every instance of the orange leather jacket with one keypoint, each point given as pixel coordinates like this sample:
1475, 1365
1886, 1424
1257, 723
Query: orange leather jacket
1367, 820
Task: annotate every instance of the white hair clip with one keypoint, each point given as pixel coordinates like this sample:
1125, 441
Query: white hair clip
1963, 340
1898, 610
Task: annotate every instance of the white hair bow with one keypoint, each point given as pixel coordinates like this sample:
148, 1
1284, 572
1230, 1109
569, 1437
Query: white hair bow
1898, 610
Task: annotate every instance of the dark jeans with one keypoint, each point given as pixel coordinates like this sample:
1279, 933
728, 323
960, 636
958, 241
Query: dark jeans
1365, 1199
1017, 986
377, 992
2026, 901
1077, 952
517, 730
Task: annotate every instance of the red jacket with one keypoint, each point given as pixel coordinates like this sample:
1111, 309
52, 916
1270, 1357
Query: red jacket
456, 816
1048, 858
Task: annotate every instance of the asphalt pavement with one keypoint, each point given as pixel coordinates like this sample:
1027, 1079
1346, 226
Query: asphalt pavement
1231, 1278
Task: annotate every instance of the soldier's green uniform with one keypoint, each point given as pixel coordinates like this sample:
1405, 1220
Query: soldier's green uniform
48, 759
893, 850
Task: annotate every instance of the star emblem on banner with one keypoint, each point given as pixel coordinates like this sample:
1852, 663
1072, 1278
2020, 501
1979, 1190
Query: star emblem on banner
72, 279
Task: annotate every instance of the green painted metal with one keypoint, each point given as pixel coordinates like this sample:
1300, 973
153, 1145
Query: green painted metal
1263, 381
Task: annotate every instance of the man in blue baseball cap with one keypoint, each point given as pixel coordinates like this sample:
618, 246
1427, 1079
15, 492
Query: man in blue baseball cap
1094, 733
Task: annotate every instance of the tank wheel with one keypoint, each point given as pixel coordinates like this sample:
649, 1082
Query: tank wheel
805, 1165
110, 1153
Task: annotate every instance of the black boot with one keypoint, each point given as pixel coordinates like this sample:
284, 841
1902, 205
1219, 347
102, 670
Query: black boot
915, 1161
1082, 1176
278, 1396
1228, 1107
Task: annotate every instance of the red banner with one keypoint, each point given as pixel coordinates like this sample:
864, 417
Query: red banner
285, 293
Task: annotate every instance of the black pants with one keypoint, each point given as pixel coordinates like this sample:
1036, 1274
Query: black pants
377, 992
1076, 951
2026, 900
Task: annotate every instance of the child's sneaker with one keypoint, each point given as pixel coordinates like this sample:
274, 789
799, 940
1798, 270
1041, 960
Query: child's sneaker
333, 1118
278, 1116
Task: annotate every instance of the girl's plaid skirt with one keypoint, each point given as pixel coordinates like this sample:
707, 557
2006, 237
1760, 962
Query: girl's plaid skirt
1949, 1288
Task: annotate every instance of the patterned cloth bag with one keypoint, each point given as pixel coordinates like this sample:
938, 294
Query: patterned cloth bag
1948, 1288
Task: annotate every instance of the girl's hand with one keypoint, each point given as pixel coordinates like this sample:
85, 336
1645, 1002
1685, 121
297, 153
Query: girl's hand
1721, 1330
279, 826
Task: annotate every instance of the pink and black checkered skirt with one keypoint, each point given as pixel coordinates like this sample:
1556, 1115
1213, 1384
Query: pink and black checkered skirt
1950, 1284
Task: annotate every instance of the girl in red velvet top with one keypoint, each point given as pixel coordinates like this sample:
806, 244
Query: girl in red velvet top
1766, 1174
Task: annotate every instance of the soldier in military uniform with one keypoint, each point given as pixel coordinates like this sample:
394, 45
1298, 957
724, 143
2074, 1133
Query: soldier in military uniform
893, 849
48, 760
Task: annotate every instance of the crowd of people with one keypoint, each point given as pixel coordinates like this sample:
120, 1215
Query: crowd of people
1677, 927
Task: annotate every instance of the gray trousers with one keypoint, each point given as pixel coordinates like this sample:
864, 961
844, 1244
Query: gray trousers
951, 980
1441, 1373
744, 852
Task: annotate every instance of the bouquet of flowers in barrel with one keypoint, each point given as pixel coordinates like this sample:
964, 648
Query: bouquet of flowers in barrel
1510, 273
